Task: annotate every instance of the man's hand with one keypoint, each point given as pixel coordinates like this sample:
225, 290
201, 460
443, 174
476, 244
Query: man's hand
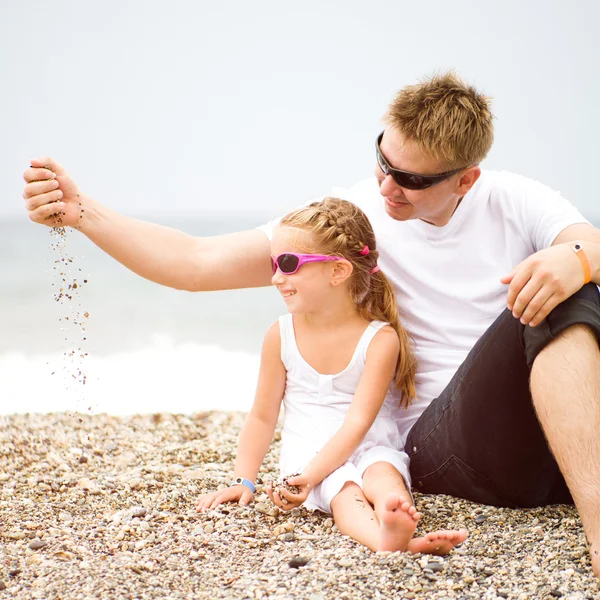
51, 196
541, 282
291, 500
235, 493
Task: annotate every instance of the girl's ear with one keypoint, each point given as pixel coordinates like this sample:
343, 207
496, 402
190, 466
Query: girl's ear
341, 271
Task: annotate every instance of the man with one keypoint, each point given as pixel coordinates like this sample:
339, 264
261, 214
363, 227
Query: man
508, 399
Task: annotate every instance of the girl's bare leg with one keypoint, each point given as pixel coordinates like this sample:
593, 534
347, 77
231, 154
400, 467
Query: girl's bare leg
385, 489
356, 518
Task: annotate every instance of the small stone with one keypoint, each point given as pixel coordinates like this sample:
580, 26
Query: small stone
37, 544
436, 567
16, 535
85, 484
298, 561
209, 528
556, 593
345, 562
262, 508
480, 519
289, 537
2, 585
138, 512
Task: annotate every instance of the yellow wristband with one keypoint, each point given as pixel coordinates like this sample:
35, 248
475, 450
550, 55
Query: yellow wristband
587, 272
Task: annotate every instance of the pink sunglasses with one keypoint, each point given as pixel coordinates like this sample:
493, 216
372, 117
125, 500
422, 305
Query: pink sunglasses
289, 262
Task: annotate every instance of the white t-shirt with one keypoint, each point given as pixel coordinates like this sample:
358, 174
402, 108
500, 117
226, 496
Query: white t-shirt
447, 279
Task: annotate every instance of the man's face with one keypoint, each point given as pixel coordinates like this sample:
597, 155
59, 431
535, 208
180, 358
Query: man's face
435, 204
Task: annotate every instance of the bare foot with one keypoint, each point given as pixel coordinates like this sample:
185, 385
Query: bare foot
438, 542
398, 523
595, 556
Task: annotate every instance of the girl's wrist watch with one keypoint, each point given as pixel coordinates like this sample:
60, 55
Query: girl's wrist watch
244, 481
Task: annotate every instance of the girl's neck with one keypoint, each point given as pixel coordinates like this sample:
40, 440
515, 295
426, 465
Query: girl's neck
332, 316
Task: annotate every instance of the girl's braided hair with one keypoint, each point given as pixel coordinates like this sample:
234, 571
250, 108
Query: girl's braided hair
340, 228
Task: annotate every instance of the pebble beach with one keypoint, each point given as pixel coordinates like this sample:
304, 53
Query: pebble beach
97, 506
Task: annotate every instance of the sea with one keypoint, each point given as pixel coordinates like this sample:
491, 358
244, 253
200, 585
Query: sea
116, 343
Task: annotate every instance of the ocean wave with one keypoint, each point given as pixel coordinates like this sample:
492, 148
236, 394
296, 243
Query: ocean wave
162, 377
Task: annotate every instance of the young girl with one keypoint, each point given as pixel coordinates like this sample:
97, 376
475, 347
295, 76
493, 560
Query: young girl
331, 361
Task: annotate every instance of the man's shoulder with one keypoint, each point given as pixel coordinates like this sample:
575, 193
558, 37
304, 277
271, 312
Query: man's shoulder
506, 181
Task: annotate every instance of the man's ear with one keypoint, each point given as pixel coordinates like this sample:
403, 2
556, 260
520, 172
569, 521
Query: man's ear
342, 269
467, 180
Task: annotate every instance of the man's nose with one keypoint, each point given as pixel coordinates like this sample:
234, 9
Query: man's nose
389, 187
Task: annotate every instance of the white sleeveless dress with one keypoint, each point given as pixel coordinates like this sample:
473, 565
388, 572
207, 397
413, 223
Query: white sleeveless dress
315, 406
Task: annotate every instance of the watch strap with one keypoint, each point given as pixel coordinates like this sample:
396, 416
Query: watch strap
585, 263
244, 481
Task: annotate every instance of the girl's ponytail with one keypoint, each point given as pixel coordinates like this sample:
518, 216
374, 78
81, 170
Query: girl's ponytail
379, 303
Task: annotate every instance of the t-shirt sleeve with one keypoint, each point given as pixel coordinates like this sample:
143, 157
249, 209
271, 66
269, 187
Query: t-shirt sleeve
543, 212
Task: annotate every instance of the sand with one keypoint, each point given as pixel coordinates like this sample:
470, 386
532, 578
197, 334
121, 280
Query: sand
103, 507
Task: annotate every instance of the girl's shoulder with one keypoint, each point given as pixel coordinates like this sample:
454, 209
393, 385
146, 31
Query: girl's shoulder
273, 334
385, 338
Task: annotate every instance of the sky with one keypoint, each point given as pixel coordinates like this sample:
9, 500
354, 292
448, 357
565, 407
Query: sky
162, 109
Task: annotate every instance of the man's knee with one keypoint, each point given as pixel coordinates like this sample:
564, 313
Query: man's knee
573, 324
574, 338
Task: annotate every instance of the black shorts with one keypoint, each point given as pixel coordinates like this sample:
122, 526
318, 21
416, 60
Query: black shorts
480, 439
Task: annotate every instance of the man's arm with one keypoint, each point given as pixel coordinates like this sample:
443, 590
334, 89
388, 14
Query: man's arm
161, 254
550, 276
589, 236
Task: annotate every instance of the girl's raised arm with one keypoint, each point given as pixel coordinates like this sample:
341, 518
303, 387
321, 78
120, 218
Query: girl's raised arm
380, 367
258, 429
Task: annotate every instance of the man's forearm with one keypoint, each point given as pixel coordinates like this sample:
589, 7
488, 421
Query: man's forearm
175, 259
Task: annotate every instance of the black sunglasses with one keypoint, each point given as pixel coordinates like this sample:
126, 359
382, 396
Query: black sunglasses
406, 179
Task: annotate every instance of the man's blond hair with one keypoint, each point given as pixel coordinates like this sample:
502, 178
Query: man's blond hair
449, 120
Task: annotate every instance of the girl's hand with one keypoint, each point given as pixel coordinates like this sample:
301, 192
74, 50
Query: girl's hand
285, 499
51, 196
235, 493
